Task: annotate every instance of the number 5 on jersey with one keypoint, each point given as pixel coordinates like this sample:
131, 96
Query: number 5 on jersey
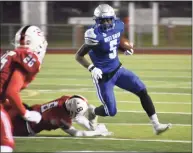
113, 48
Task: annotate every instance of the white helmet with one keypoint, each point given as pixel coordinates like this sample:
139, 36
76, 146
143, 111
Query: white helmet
77, 105
33, 38
104, 11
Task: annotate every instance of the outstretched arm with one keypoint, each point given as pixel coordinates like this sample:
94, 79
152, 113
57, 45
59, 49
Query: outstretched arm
90, 42
101, 130
83, 50
13, 95
13, 91
76, 133
84, 122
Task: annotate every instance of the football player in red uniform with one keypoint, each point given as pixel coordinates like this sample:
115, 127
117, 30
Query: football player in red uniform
18, 68
58, 113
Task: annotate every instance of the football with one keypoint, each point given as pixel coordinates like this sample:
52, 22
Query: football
125, 44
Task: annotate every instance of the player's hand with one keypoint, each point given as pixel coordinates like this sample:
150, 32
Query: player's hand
95, 72
32, 116
101, 128
129, 52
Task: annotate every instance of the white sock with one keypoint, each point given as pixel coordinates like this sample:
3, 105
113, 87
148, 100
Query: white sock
154, 119
6, 149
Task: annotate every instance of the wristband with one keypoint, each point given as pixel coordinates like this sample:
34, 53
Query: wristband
91, 67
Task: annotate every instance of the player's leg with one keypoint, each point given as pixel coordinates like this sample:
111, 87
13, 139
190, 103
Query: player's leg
106, 96
7, 141
129, 81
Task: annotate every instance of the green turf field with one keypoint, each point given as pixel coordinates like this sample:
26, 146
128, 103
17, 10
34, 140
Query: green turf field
168, 79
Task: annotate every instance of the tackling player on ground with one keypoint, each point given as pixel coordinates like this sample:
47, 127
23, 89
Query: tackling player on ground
57, 113
102, 41
18, 68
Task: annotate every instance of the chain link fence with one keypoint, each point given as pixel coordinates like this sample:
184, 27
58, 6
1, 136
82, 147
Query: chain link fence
62, 36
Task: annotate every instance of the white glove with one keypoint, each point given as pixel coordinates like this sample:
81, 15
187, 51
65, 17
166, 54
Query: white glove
101, 128
129, 52
95, 72
32, 116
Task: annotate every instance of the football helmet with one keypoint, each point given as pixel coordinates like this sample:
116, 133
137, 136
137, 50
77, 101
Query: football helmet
104, 16
31, 37
76, 105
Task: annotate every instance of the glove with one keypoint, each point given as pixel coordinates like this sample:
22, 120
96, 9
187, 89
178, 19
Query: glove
32, 116
129, 52
95, 72
101, 128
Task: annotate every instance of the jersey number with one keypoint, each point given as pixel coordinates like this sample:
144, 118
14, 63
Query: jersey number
4, 58
29, 60
45, 107
113, 48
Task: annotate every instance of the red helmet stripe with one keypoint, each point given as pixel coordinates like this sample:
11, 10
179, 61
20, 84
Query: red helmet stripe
22, 38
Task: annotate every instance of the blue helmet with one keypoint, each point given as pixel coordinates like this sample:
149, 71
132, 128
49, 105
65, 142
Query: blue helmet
104, 16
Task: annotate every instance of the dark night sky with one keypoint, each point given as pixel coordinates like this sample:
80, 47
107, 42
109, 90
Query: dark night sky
10, 10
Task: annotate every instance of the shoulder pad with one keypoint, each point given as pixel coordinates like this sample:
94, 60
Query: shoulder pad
90, 34
90, 37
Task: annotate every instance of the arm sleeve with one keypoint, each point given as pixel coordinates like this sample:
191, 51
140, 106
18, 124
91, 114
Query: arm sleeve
90, 37
74, 132
12, 93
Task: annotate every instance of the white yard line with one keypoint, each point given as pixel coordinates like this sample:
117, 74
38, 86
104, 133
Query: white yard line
182, 113
111, 139
95, 151
152, 76
143, 124
68, 78
84, 85
89, 90
118, 101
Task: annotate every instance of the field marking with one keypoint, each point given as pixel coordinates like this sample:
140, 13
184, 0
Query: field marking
95, 151
141, 76
67, 78
89, 90
133, 60
112, 139
145, 76
142, 124
120, 101
83, 85
181, 113
31, 93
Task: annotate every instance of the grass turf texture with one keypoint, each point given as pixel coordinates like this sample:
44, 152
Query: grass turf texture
168, 80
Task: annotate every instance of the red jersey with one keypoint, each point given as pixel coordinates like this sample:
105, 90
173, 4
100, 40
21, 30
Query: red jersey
54, 116
24, 60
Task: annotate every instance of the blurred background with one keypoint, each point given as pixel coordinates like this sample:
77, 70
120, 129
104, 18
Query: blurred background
148, 24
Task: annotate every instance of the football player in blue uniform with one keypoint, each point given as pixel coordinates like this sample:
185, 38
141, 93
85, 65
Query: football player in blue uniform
102, 41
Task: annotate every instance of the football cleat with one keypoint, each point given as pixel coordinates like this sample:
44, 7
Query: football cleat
160, 128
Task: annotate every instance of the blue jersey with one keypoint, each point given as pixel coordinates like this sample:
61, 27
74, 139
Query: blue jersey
104, 54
